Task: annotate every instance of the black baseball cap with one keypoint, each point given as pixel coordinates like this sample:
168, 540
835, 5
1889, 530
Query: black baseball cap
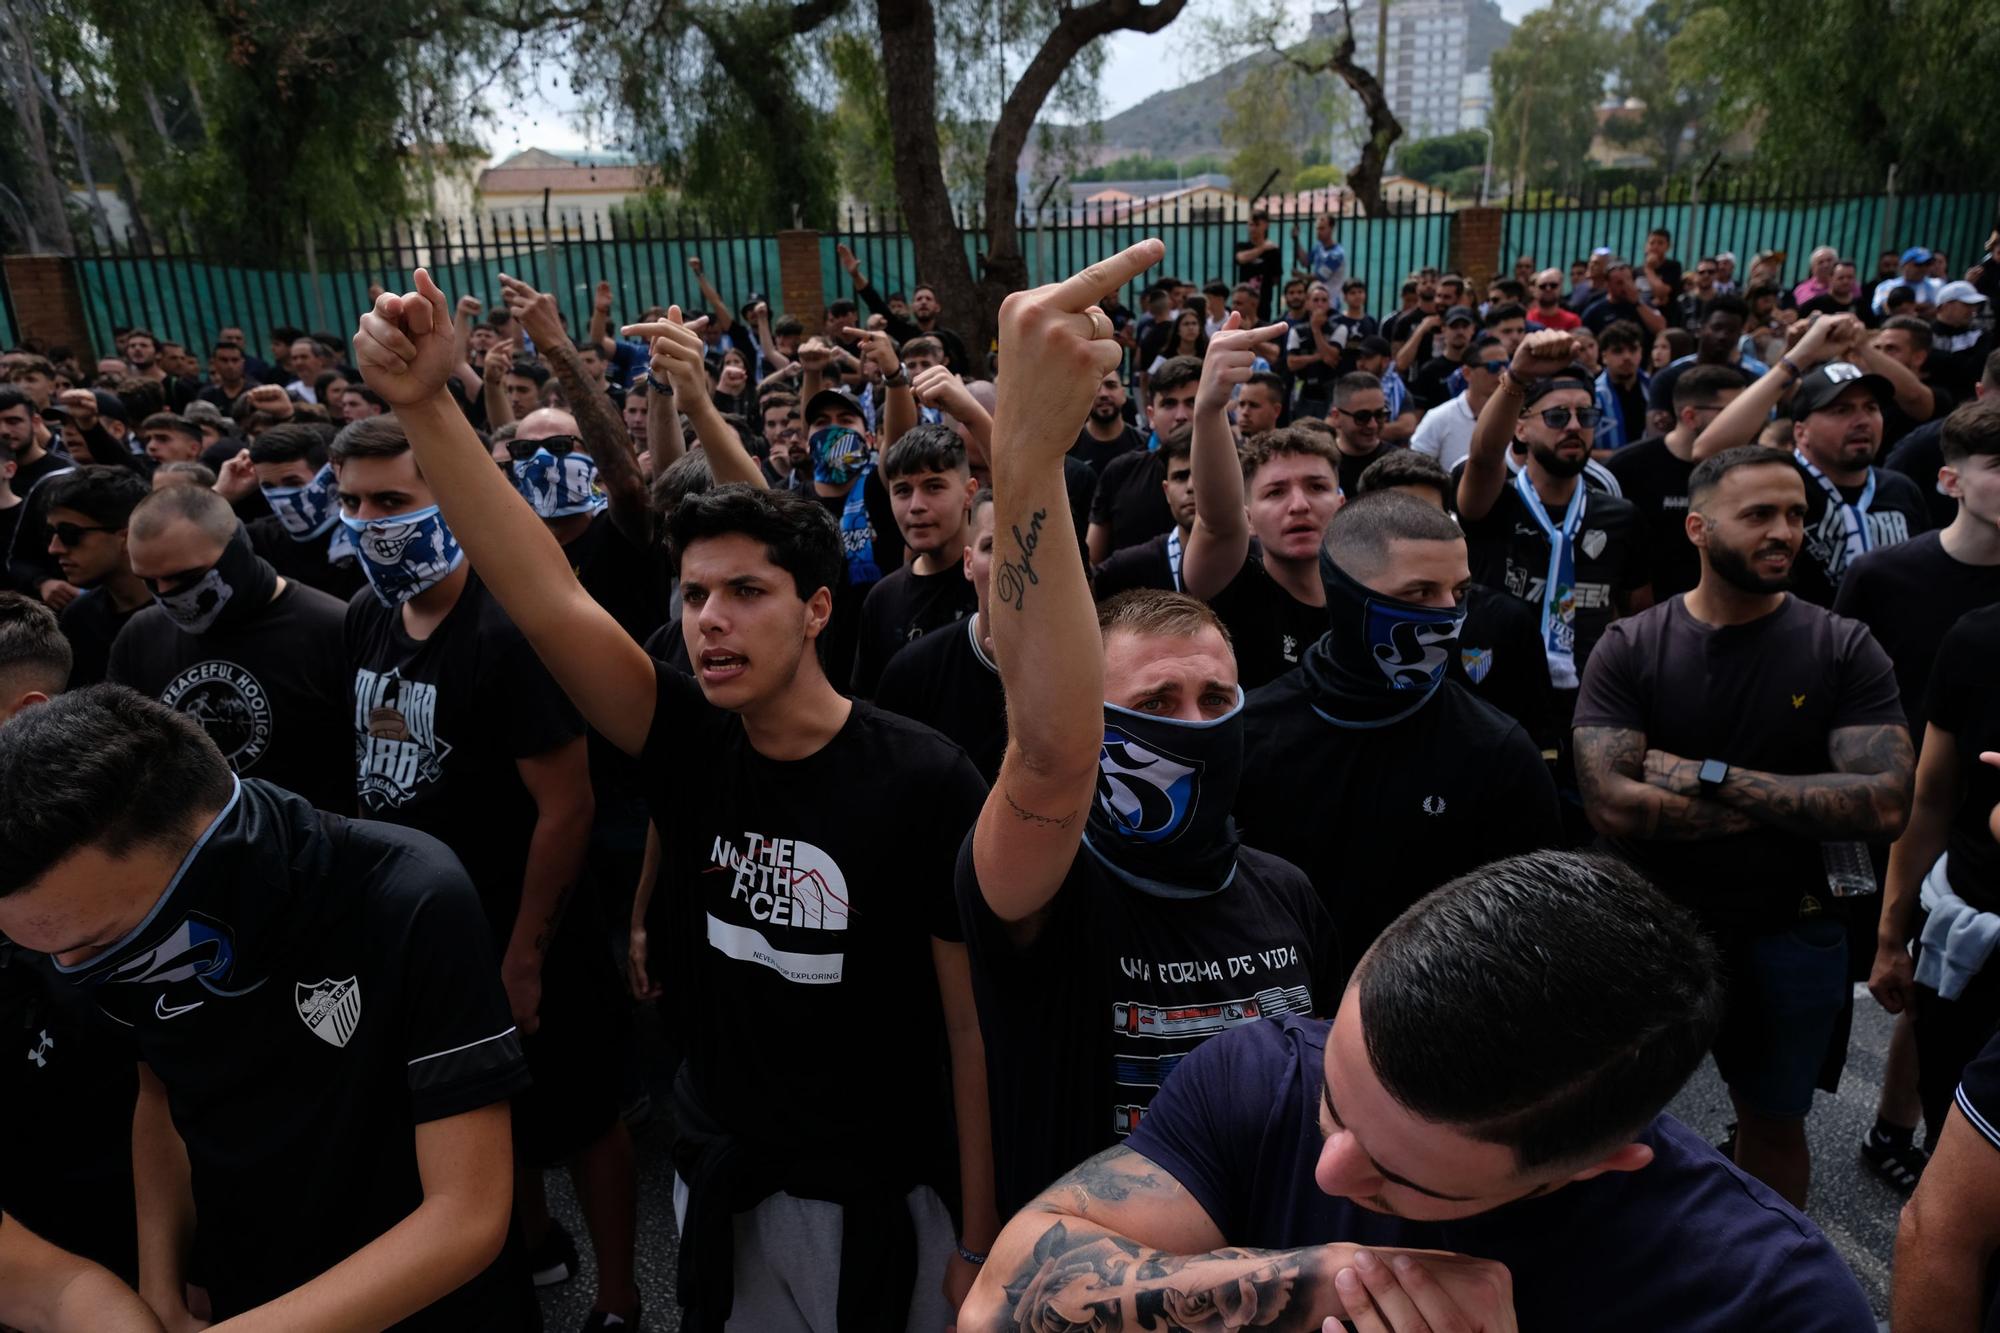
833, 399
1461, 312
1818, 387
1572, 376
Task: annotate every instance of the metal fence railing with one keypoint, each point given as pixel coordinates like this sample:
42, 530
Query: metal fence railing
185, 291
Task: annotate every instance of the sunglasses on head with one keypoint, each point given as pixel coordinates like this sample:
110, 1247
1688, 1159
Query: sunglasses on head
71, 534
521, 450
1365, 415
1555, 418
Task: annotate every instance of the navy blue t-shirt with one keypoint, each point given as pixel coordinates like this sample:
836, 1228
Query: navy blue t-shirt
1687, 1243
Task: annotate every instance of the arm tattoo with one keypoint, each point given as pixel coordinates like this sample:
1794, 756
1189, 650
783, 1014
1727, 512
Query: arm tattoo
1013, 577
606, 440
1867, 795
1027, 816
1610, 775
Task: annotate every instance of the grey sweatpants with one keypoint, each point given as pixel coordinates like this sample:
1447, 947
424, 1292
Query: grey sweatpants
788, 1264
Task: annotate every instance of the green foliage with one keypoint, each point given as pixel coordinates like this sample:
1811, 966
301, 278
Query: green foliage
1258, 128
1461, 182
1131, 167
1547, 83
1428, 159
1857, 84
1323, 176
1204, 164
1675, 121
861, 135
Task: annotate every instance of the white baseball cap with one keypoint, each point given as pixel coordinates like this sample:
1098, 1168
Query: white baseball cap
1961, 291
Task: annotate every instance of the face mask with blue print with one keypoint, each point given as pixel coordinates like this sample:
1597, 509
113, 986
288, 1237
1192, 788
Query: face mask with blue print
404, 554
306, 511
839, 454
556, 486
1165, 786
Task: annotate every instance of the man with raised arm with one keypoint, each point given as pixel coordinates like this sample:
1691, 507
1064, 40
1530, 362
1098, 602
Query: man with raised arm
806, 932
1105, 878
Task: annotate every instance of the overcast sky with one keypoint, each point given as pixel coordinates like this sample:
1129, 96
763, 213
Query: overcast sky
1139, 65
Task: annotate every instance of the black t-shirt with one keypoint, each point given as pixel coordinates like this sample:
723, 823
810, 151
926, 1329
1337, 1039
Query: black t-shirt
1315, 381
1238, 1129
270, 692
1142, 566
1264, 273
1379, 816
882, 535
1098, 454
620, 575
1764, 696
1269, 628
1510, 554
1168, 974
91, 624
901, 609
1897, 424
1604, 312
438, 724
1978, 1094
1431, 385
1896, 514
1131, 499
946, 681
1501, 659
1657, 482
1909, 596
304, 562
1919, 457
10, 519
1080, 485
798, 901
1964, 703
1632, 402
1353, 465
299, 1111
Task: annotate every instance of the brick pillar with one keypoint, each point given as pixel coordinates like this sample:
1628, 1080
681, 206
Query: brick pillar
1475, 244
801, 286
47, 303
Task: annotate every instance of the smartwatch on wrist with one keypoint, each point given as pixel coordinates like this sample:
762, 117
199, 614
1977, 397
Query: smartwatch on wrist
1713, 774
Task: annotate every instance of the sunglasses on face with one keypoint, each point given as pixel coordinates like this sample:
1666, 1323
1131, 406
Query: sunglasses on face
521, 450
1555, 418
1549, 286
1366, 415
1492, 367
71, 534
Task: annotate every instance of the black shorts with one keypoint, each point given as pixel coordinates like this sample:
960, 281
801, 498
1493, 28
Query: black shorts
576, 1057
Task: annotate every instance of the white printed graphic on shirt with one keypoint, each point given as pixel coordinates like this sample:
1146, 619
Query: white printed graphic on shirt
784, 884
231, 706
396, 748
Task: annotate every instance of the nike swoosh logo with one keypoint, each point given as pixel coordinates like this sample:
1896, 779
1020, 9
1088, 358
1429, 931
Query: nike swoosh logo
161, 1009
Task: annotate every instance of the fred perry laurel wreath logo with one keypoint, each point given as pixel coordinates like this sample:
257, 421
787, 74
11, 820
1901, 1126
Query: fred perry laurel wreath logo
331, 1009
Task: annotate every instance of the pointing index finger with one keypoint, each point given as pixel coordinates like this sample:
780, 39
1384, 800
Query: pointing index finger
1080, 291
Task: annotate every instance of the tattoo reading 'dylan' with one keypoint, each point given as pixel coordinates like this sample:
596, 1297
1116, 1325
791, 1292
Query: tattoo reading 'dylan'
1028, 816
1012, 579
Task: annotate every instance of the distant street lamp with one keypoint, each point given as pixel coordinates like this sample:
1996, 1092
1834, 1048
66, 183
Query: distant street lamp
1486, 175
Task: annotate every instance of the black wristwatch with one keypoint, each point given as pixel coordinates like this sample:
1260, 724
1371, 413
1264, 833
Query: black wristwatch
1713, 774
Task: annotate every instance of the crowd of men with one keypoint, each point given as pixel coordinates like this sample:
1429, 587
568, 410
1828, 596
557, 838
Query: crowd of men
1310, 780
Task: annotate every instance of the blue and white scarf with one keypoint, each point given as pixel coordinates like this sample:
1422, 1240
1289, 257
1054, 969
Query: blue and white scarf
1559, 584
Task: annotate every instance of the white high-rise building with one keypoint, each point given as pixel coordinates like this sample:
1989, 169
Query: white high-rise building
1434, 45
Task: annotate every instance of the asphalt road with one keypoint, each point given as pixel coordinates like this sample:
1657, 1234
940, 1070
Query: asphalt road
1856, 1210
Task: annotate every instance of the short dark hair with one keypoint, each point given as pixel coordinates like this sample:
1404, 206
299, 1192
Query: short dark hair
380, 403
842, 306
104, 495
104, 767
1500, 314
11, 397
1726, 304
1990, 377
1265, 379
1176, 373
142, 397
1699, 385
1899, 295
931, 447
1708, 473
798, 534
787, 326
1357, 540
34, 653
1551, 1003
171, 421
1294, 441
1919, 331
1216, 287
286, 333
530, 370
1660, 232
1406, 467
690, 474
1177, 444
370, 437
1973, 428
1353, 382
1620, 333
291, 441
1760, 291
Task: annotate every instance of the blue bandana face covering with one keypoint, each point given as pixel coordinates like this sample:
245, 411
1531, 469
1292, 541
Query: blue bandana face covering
1381, 658
556, 487
839, 454
306, 511
1165, 786
404, 554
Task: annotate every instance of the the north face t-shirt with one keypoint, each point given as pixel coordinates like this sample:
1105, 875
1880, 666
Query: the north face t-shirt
436, 725
270, 692
796, 906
